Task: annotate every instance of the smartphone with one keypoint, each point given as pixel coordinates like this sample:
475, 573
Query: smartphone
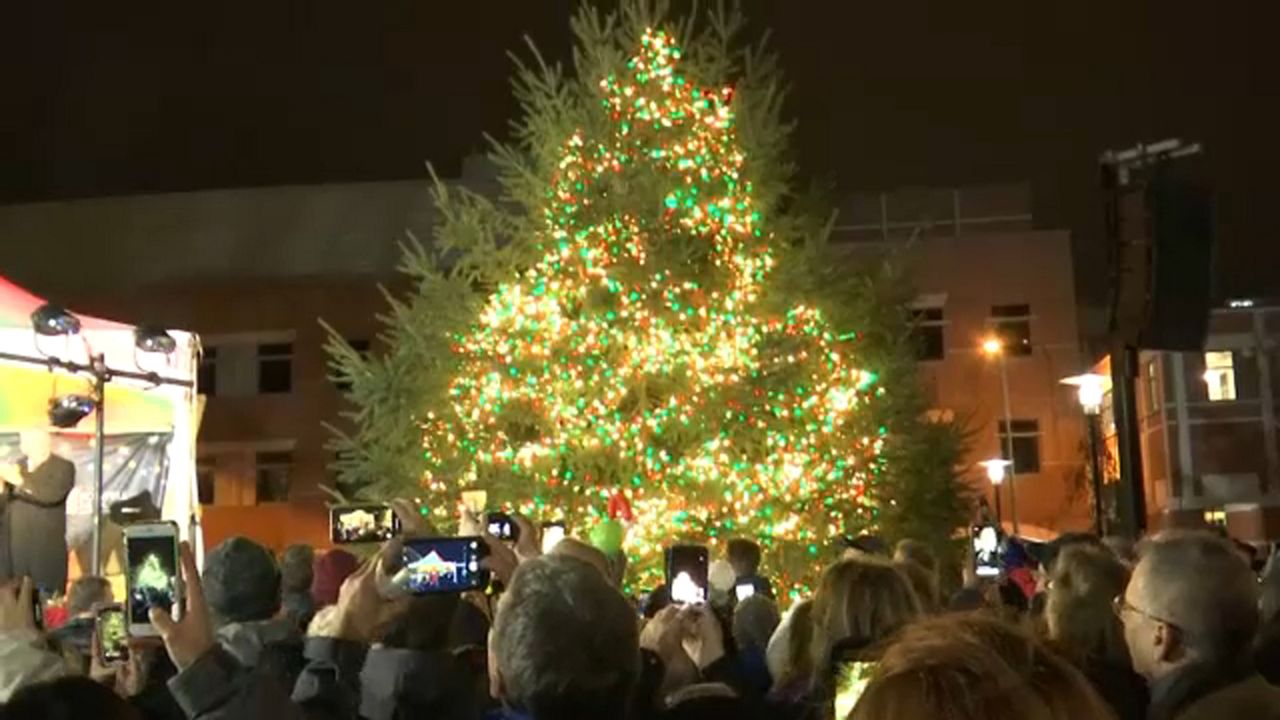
985, 542
503, 527
852, 679
442, 565
552, 534
368, 523
37, 607
151, 577
687, 575
744, 590
113, 645
474, 500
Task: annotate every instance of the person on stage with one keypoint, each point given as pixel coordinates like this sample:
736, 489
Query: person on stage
36, 490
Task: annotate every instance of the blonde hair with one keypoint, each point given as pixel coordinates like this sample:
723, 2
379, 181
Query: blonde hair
861, 601
975, 667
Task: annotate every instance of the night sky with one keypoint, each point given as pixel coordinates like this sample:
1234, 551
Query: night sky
116, 98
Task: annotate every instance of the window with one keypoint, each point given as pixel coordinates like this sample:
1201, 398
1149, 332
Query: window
205, 482
1012, 325
1220, 375
273, 476
1215, 517
207, 375
1153, 387
1026, 445
275, 368
927, 331
361, 347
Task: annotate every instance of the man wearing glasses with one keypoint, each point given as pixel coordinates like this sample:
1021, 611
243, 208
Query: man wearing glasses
1190, 614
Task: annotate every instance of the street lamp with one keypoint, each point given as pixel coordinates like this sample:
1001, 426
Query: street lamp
992, 347
1090, 388
996, 473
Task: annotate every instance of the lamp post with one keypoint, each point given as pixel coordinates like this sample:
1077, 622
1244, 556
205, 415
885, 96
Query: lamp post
992, 347
1090, 388
995, 473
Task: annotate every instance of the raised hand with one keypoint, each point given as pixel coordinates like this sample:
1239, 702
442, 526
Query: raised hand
192, 636
15, 607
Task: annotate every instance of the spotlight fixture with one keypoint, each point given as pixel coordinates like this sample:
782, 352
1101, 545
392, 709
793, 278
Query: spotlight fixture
68, 410
154, 339
53, 320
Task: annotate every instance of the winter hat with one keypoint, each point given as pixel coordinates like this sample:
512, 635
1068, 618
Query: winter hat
331, 569
241, 581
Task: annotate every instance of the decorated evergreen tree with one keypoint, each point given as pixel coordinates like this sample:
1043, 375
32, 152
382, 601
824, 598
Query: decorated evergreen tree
633, 331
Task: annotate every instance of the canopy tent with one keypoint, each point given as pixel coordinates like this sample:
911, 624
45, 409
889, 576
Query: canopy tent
138, 413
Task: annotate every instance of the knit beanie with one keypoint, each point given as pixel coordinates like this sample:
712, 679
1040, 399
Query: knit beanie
331, 569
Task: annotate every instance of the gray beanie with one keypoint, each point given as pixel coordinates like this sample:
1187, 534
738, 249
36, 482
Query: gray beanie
241, 581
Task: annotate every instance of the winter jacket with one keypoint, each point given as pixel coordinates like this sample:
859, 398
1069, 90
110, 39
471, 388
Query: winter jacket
1214, 693
23, 661
272, 646
218, 687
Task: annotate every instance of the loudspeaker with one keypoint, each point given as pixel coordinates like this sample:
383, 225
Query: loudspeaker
1160, 224
1180, 214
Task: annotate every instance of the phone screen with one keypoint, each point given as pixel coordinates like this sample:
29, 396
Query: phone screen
744, 591
112, 635
442, 565
552, 534
503, 527
986, 550
474, 500
153, 575
852, 679
362, 524
687, 573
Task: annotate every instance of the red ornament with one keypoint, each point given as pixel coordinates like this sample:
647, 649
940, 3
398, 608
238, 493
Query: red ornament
620, 508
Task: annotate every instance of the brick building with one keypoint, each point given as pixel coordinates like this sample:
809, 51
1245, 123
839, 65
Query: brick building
1207, 421
251, 270
982, 269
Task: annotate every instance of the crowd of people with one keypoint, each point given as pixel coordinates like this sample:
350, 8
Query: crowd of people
1185, 626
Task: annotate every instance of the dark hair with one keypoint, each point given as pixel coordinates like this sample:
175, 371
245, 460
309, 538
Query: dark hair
296, 571
973, 667
566, 642
68, 698
744, 556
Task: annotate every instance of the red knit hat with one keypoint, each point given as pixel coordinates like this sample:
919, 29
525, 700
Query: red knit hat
331, 569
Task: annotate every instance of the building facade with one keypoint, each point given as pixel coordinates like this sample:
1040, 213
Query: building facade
983, 271
1207, 422
253, 271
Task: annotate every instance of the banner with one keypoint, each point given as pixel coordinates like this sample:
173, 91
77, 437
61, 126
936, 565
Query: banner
134, 463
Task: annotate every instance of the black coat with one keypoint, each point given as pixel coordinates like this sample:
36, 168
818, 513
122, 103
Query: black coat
36, 520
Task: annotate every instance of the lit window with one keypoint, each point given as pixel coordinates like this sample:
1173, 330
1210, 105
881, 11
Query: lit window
1220, 375
1215, 517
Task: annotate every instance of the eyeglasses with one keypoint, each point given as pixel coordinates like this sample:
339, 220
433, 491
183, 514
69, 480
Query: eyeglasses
1119, 605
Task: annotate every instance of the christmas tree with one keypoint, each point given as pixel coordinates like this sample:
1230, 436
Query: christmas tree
617, 335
